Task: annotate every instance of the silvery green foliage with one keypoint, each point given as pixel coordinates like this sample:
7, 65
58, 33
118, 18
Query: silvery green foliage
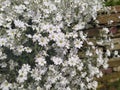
40, 41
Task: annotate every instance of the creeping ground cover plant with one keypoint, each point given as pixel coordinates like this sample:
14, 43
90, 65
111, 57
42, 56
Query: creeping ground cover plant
40, 41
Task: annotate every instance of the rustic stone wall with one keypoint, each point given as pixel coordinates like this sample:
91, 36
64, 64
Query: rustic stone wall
112, 21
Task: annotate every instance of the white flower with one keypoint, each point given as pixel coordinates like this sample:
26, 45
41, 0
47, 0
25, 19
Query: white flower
74, 60
105, 66
83, 74
52, 7
11, 32
22, 72
20, 8
80, 66
36, 74
92, 70
92, 85
3, 64
2, 55
53, 36
89, 53
82, 85
28, 50
90, 43
100, 74
43, 41
19, 23
115, 53
36, 37
61, 42
108, 52
73, 73
40, 60
89, 85
83, 36
50, 34
21, 78
57, 60
3, 41
79, 26
57, 1
5, 85
20, 48
58, 17
26, 67
106, 30
26, 2
78, 43
12, 64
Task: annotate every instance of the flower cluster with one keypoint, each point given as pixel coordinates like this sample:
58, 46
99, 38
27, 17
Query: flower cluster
40, 41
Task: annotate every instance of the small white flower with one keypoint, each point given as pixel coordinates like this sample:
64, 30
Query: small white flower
80, 66
106, 30
19, 9
43, 41
22, 72
58, 17
26, 2
94, 84
3, 41
74, 60
105, 66
11, 33
90, 43
79, 26
78, 43
52, 7
57, 1
82, 85
26, 67
83, 74
21, 78
28, 50
3, 64
73, 73
36, 74
49, 28
53, 36
12, 64
57, 60
93, 70
108, 52
89, 86
115, 53
20, 48
36, 37
40, 60
61, 42
5, 85
83, 36
89, 53
19, 24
